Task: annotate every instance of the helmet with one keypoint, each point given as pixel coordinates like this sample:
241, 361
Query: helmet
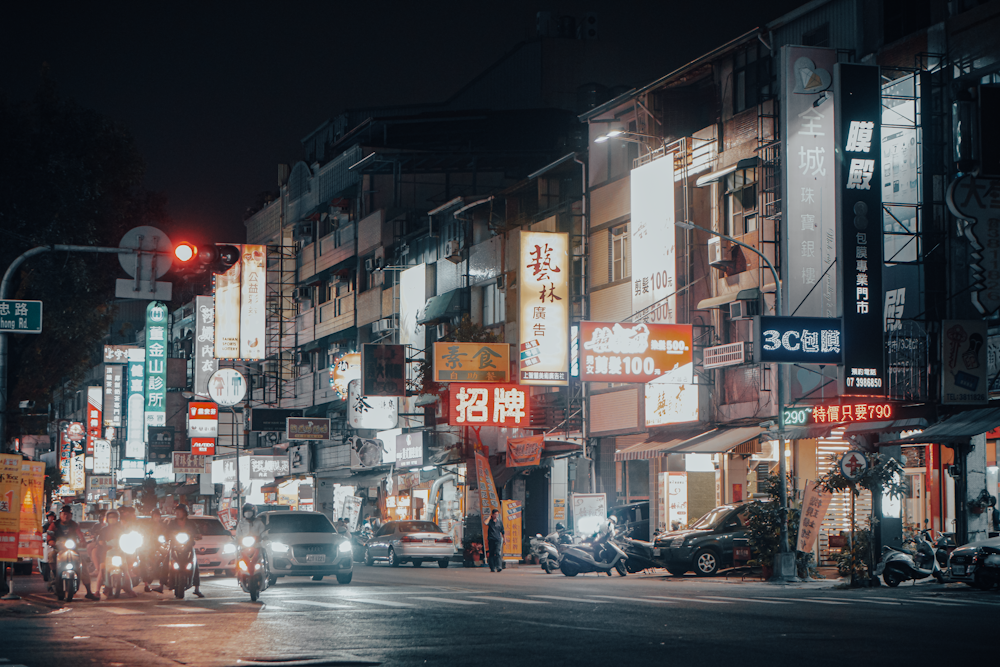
560, 525
181, 507
613, 519
113, 514
249, 511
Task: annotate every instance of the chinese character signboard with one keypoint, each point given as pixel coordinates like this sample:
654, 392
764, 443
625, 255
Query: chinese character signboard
113, 390
543, 298
977, 200
808, 128
203, 348
375, 412
21, 316
307, 428
410, 450
156, 364
668, 403
859, 243
73, 442
252, 316
135, 407
95, 402
203, 420
471, 362
383, 370
345, 367
102, 457
522, 452
797, 340
589, 510
653, 241
117, 354
10, 505
627, 352
227, 312
814, 505
268, 467
835, 413
161, 444
186, 463
510, 514
487, 405
32, 506
964, 364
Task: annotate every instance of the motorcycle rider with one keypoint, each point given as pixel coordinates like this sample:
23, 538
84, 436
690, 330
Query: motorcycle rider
64, 528
249, 524
181, 524
106, 538
151, 543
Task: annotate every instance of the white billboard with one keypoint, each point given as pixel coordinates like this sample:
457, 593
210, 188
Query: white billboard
653, 239
252, 312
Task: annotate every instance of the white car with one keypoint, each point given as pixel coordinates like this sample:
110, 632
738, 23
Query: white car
414, 541
303, 544
216, 549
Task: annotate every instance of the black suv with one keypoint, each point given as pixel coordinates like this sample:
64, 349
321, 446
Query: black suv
707, 546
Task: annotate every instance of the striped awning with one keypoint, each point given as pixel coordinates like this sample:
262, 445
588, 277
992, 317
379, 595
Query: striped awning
646, 450
957, 429
715, 441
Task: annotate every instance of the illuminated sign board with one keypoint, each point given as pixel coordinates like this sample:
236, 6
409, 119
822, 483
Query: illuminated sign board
543, 309
858, 96
135, 407
653, 241
836, 413
156, 364
370, 412
113, 390
472, 362
797, 340
345, 367
203, 420
487, 405
239, 306
410, 450
634, 352
203, 349
203, 446
669, 403
95, 402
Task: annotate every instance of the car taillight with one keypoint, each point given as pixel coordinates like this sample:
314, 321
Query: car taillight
445, 540
411, 539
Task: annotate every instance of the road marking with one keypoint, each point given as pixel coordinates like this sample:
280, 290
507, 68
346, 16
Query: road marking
673, 599
329, 605
627, 599
183, 625
500, 599
121, 611
722, 597
878, 601
387, 603
934, 602
188, 609
568, 599
827, 601
446, 600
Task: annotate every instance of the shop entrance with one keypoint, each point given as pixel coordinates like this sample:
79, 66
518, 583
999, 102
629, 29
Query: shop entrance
536, 502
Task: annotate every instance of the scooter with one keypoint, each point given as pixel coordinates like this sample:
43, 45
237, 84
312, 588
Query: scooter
67, 569
252, 573
181, 564
897, 566
546, 549
639, 553
592, 556
131, 546
114, 571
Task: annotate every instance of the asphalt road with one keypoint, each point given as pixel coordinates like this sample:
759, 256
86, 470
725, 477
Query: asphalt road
457, 616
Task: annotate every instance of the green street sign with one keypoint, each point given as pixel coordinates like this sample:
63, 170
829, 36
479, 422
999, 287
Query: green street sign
20, 316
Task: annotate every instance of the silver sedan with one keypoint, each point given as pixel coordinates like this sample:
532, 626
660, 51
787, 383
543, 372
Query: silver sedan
410, 541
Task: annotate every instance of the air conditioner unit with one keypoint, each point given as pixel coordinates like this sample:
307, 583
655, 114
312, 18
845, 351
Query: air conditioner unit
379, 262
303, 293
718, 252
380, 326
440, 331
369, 265
303, 232
743, 309
453, 251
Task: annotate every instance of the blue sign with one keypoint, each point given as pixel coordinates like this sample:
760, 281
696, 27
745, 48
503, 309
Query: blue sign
798, 340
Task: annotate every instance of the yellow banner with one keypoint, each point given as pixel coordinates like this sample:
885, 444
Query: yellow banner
472, 362
10, 505
32, 508
511, 515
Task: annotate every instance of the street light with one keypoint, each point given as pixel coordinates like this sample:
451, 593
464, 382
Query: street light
618, 131
784, 555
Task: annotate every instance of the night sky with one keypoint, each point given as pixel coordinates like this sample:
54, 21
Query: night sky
217, 94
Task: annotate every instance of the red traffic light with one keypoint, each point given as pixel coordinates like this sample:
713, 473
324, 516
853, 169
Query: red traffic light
185, 252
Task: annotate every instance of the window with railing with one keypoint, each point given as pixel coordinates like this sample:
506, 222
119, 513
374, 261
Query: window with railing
619, 266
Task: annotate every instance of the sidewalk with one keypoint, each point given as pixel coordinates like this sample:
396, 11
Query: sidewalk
35, 597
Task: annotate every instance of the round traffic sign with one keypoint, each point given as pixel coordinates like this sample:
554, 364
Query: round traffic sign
148, 239
853, 465
227, 386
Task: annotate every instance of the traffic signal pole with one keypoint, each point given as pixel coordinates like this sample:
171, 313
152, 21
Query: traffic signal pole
5, 287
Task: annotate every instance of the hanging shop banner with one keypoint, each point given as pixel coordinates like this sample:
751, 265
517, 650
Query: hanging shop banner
10, 505
797, 340
409, 450
252, 314
95, 403
161, 444
203, 420
268, 467
345, 367
203, 350
635, 352
858, 96
653, 242
78, 473
117, 354
373, 412
815, 502
472, 362
366, 453
113, 392
72, 442
383, 370
488, 498
102, 457
543, 298
29, 543
135, 407
271, 419
523, 452
307, 428
351, 511
510, 514
156, 364
670, 403
227, 311
963, 376
589, 511
299, 459
810, 201
186, 463
487, 405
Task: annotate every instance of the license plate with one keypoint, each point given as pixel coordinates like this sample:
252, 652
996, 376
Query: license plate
316, 558
656, 553
959, 569
428, 541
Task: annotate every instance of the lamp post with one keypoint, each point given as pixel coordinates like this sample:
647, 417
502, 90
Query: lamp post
785, 559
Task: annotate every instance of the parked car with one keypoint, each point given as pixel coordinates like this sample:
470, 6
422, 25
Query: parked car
977, 563
707, 546
303, 544
414, 541
634, 516
216, 549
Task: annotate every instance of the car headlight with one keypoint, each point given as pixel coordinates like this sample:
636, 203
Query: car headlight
70, 544
248, 541
116, 561
229, 548
278, 547
182, 538
344, 547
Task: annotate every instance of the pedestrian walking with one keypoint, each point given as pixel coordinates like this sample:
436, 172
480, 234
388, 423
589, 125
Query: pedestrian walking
494, 536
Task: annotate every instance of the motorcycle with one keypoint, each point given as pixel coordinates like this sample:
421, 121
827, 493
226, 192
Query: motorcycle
67, 569
252, 572
897, 566
181, 564
943, 546
592, 556
131, 545
153, 561
546, 551
114, 570
640, 555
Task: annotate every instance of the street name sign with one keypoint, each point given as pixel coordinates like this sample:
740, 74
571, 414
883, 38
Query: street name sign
20, 316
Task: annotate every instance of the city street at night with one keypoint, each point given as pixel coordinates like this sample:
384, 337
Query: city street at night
458, 616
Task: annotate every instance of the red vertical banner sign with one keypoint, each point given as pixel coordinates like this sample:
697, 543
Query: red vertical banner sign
10, 505
488, 499
95, 403
32, 506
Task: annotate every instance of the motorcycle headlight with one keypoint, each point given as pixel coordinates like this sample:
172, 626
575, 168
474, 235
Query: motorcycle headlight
70, 544
278, 547
69, 566
130, 542
344, 547
229, 548
116, 561
161, 539
256, 567
182, 538
243, 566
188, 566
248, 541
176, 566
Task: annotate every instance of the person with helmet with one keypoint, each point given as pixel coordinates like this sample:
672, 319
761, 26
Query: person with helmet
181, 524
249, 524
108, 536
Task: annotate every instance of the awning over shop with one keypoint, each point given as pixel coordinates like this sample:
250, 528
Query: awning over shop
720, 301
503, 474
716, 176
441, 306
957, 429
646, 450
718, 440
885, 426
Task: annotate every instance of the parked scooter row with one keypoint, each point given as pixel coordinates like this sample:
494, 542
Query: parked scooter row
599, 553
